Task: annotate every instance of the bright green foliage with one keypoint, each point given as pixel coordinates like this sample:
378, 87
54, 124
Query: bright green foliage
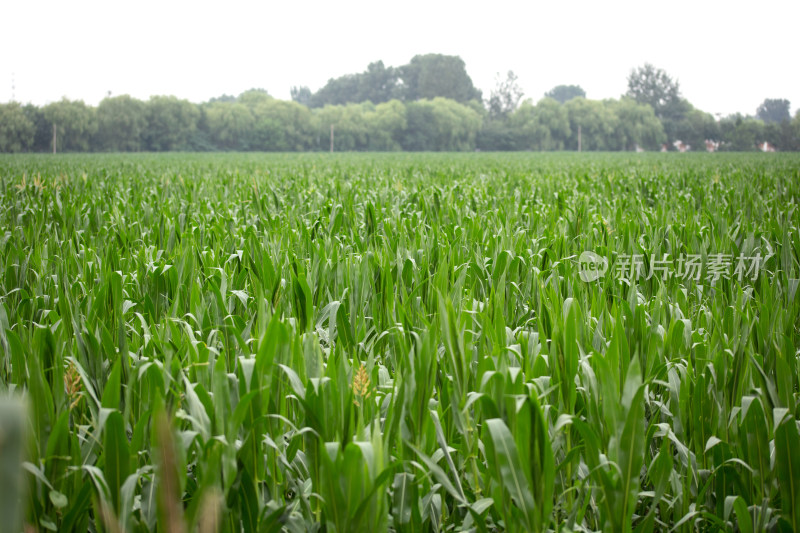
398, 342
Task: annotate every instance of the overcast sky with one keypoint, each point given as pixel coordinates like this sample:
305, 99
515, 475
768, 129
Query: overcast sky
728, 56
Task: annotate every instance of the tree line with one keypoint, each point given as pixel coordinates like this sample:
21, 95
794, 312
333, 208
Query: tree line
428, 104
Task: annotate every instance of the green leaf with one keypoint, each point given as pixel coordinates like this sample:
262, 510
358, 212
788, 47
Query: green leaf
116, 456
504, 465
787, 463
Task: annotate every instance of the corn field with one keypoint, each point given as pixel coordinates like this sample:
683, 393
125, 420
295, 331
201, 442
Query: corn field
377, 342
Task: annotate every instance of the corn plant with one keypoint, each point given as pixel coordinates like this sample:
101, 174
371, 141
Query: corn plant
400, 342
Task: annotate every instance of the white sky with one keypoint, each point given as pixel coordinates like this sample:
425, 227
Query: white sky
728, 56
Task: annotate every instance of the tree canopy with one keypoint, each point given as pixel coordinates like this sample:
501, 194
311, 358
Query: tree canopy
563, 93
428, 104
774, 110
425, 76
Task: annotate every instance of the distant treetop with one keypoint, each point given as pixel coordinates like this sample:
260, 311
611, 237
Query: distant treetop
424, 77
774, 110
563, 93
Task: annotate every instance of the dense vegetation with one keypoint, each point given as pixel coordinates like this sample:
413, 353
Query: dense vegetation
400, 342
430, 104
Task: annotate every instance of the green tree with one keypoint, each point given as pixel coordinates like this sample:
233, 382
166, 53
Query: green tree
338, 91
420, 133
16, 129
637, 125
230, 125
436, 75
795, 145
505, 97
564, 93
377, 84
441, 124
695, 128
386, 125
171, 123
43, 129
781, 135
254, 97
654, 87
282, 126
497, 134
121, 122
302, 95
773, 110
544, 126
741, 134
598, 125
351, 131
76, 124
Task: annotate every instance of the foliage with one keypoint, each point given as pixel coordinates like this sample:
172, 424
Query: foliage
431, 76
171, 123
774, 110
696, 127
230, 125
544, 126
377, 84
440, 125
505, 97
392, 109
381, 342
76, 124
281, 126
741, 134
597, 123
121, 123
637, 125
16, 129
654, 87
563, 93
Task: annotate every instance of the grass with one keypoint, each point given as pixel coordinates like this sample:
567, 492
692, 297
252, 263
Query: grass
399, 342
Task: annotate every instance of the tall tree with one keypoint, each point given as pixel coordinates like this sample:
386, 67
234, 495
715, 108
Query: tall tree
544, 126
782, 136
253, 97
695, 128
741, 134
338, 91
436, 75
377, 84
653, 86
121, 122
16, 129
75, 124
351, 131
597, 122
171, 123
505, 97
43, 135
386, 124
563, 93
440, 124
774, 110
230, 125
637, 126
282, 126
302, 95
